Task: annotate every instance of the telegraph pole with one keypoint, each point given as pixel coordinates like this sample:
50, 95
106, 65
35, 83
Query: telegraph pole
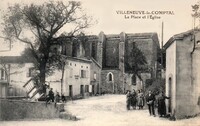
162, 44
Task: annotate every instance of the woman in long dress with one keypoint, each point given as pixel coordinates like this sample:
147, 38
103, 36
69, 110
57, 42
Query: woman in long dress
140, 100
161, 104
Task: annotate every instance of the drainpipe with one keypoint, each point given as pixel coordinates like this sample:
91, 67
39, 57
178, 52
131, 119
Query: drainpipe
191, 55
194, 43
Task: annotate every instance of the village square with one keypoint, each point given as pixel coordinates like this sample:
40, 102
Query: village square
52, 72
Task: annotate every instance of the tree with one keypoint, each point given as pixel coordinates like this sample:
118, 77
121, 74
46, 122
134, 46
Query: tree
196, 14
39, 26
136, 61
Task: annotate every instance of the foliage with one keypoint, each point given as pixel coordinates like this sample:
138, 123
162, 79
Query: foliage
156, 86
148, 82
195, 9
40, 26
136, 61
196, 12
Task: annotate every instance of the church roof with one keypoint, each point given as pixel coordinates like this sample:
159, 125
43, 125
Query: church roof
138, 35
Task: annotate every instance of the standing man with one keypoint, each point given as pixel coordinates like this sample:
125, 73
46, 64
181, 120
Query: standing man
134, 99
150, 102
51, 95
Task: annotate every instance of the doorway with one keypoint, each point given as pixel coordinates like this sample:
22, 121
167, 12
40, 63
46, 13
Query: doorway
70, 91
170, 95
98, 90
82, 90
3, 90
93, 90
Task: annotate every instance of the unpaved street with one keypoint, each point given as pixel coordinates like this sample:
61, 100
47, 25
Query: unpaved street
107, 110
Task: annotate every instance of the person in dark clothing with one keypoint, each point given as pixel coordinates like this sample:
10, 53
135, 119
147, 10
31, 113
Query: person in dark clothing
150, 99
50, 95
161, 104
63, 98
134, 99
128, 100
57, 97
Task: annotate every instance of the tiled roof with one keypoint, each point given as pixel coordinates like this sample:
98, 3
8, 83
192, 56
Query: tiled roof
179, 36
81, 59
15, 59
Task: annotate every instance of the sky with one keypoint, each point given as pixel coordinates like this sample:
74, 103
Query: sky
111, 22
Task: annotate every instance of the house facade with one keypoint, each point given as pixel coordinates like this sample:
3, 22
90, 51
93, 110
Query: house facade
95, 77
16, 78
183, 74
15, 72
76, 79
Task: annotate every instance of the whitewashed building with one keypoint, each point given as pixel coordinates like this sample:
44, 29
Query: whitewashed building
76, 79
14, 73
183, 74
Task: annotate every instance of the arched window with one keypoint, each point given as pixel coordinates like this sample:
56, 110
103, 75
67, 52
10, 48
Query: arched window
133, 79
110, 76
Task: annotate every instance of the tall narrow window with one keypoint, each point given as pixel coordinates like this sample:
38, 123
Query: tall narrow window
83, 74
110, 76
2, 74
95, 76
86, 88
133, 80
94, 50
30, 72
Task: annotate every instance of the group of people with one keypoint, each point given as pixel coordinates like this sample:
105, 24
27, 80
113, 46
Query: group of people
50, 97
134, 99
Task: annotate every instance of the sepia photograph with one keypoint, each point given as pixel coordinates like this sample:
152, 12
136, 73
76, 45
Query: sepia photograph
100, 63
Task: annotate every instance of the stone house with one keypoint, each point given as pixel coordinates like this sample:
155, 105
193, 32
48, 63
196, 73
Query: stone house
95, 77
15, 72
84, 58
76, 79
183, 74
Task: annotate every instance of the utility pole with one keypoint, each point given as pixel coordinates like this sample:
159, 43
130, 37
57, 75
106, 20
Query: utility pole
162, 65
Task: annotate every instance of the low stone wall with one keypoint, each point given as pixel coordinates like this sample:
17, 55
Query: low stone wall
18, 109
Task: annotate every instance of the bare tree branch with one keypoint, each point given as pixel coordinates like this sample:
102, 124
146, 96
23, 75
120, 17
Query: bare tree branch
44, 22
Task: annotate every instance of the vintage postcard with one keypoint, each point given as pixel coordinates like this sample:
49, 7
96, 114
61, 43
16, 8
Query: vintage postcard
100, 62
